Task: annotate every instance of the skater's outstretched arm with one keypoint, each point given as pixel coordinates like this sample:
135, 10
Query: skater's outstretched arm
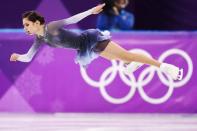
76, 18
28, 56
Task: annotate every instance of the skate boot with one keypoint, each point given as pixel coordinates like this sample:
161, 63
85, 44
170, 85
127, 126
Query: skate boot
171, 70
131, 67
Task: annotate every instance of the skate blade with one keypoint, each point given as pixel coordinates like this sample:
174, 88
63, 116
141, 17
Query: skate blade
180, 76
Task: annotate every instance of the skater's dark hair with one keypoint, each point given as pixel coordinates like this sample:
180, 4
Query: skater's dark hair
33, 16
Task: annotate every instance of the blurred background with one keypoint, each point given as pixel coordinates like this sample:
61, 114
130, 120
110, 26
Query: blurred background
148, 14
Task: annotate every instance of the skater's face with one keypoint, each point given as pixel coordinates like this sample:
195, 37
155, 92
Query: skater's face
31, 27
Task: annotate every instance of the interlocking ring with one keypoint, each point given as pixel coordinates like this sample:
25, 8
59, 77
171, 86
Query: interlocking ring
139, 83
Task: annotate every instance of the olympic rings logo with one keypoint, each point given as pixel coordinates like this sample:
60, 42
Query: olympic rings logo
138, 84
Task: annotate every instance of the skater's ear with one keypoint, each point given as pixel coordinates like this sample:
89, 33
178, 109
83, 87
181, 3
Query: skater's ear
37, 22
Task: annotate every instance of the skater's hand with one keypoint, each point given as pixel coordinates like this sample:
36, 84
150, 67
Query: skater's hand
14, 57
98, 9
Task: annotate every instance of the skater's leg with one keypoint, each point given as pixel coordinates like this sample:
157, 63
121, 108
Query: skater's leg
114, 51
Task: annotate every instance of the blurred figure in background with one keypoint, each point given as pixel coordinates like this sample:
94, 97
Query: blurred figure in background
115, 17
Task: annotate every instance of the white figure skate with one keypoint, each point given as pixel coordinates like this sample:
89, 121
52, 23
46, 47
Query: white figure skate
173, 71
132, 67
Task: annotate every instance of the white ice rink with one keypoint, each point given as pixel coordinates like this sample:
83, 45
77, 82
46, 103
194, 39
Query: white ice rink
97, 122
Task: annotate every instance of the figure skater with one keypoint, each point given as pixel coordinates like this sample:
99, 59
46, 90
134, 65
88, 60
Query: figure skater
89, 44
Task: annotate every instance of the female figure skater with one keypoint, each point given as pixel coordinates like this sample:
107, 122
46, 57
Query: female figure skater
89, 44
